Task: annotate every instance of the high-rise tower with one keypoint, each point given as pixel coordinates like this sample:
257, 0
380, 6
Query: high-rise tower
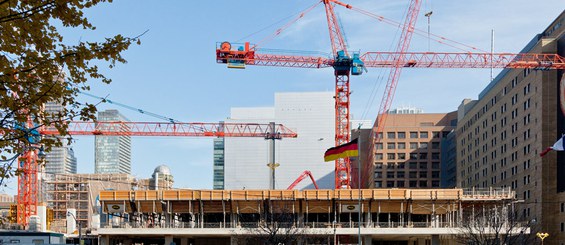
113, 153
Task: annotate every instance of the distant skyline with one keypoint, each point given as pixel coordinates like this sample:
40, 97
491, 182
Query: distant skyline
174, 73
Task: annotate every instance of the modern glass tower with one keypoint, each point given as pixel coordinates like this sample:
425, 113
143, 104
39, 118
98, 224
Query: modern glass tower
112, 153
60, 160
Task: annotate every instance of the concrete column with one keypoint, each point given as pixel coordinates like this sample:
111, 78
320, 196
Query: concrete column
104, 240
168, 239
435, 240
367, 240
233, 240
421, 241
184, 241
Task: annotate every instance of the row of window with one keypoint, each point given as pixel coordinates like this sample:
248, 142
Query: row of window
411, 174
413, 156
402, 145
411, 183
415, 135
412, 165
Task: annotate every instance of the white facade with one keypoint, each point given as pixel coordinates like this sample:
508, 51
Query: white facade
311, 115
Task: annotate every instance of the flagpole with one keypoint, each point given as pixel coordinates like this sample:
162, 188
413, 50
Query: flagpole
359, 181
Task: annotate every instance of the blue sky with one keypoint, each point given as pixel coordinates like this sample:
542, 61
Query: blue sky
174, 73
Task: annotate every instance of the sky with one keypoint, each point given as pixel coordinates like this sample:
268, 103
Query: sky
174, 73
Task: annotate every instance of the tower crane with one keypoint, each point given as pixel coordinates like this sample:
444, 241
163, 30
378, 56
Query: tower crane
345, 65
28, 182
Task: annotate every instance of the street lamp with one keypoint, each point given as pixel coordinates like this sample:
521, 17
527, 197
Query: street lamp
69, 214
542, 236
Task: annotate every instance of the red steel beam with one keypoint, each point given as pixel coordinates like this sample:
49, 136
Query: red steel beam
464, 60
173, 129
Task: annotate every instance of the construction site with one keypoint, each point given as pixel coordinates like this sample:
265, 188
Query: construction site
470, 175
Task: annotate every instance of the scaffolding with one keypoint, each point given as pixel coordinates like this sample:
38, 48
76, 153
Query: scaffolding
80, 192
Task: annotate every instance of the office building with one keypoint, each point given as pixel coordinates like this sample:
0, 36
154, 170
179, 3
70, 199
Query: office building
311, 115
112, 153
409, 154
501, 134
59, 160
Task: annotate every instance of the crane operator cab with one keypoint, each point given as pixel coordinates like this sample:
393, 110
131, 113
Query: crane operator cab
233, 58
343, 64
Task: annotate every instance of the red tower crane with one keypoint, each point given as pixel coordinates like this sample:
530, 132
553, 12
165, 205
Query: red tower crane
28, 182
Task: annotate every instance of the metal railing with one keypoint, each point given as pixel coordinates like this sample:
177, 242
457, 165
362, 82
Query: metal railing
245, 225
488, 192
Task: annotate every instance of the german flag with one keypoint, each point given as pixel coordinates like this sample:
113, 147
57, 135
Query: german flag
349, 149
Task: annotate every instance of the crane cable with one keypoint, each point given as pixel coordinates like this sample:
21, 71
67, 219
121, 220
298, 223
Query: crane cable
424, 33
106, 100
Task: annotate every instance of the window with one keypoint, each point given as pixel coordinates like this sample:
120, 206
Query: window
401, 145
424, 135
423, 165
435, 174
413, 135
391, 135
424, 145
413, 156
401, 156
379, 146
401, 135
399, 183
400, 166
435, 183
413, 145
390, 174
378, 184
423, 183
435, 156
435, 145
378, 175
436, 134
391, 146
379, 156
379, 165
413, 165
390, 156
435, 165
423, 156
413, 174
400, 174
423, 174
390, 184
413, 183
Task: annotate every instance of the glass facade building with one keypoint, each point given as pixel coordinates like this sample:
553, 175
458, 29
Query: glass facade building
219, 164
112, 153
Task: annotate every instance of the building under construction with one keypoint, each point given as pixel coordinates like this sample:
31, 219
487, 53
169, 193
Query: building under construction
387, 216
80, 192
